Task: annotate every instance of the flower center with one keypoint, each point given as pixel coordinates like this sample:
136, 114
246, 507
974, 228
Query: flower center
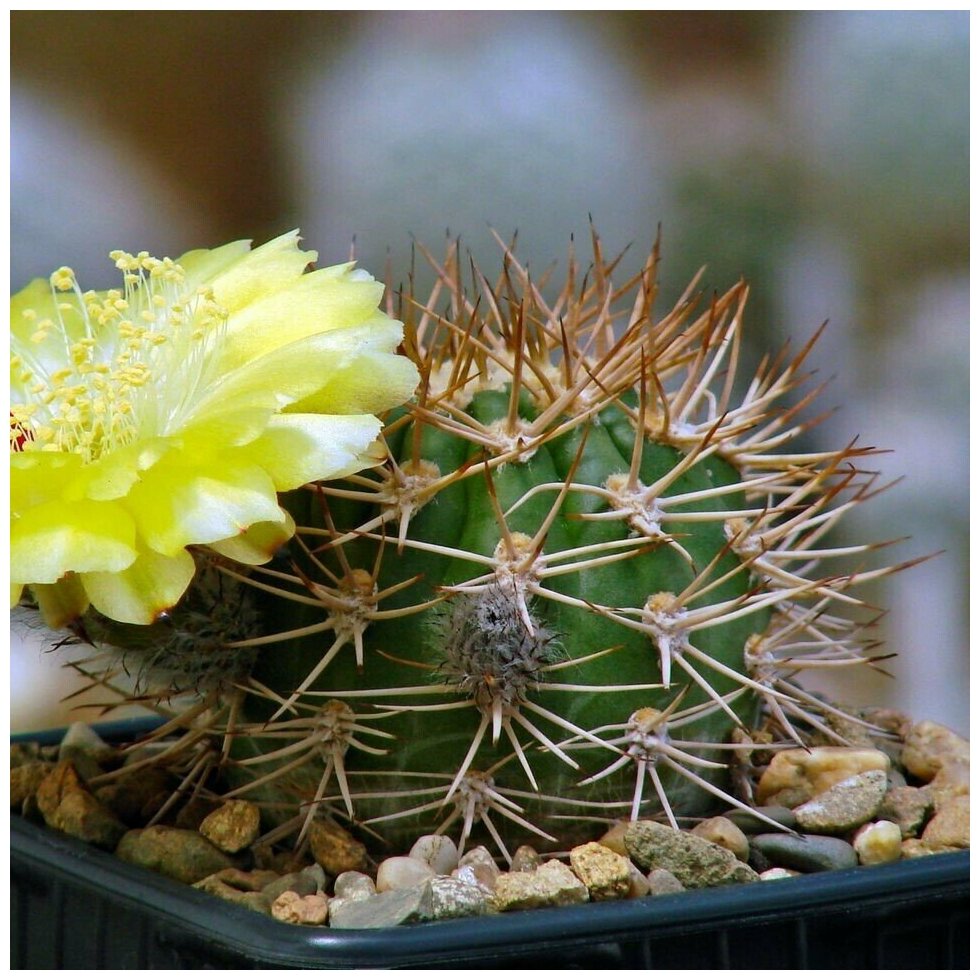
111, 367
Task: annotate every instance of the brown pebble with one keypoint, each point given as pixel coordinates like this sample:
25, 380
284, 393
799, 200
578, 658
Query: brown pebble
915, 848
299, 882
604, 872
907, 806
24, 781
950, 827
305, 910
335, 849
809, 772
237, 886
67, 805
953, 779
722, 831
136, 797
615, 838
23, 752
180, 854
233, 826
930, 746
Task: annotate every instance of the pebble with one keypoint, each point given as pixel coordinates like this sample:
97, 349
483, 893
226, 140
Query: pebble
878, 843
453, 898
436, 850
751, 823
394, 908
724, 833
553, 884
639, 886
908, 807
335, 849
181, 854
615, 838
525, 858
304, 910
250, 881
777, 874
24, 781
484, 869
950, 827
402, 872
800, 774
23, 752
953, 779
85, 748
846, 805
240, 887
605, 873
804, 852
915, 848
696, 863
661, 882
930, 746
300, 883
136, 797
855, 732
354, 885
890, 720
67, 805
472, 877
233, 826
193, 812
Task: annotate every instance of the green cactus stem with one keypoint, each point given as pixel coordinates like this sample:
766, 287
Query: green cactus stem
585, 562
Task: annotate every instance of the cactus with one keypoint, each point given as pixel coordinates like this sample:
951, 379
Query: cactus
585, 573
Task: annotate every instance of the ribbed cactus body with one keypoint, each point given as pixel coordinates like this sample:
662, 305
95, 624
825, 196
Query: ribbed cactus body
500, 639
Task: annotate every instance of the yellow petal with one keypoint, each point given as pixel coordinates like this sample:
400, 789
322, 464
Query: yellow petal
204, 264
259, 543
58, 537
177, 504
366, 382
298, 449
314, 303
39, 477
61, 603
112, 477
300, 369
150, 586
255, 274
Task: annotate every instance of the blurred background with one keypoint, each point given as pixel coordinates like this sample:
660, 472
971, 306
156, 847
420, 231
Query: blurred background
824, 156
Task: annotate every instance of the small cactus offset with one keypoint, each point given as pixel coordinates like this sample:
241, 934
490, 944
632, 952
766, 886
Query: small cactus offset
591, 562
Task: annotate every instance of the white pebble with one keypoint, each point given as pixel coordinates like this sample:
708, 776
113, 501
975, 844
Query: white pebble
878, 843
402, 872
484, 867
436, 850
353, 885
774, 874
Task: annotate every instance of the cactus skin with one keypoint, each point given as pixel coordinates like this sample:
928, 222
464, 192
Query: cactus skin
579, 571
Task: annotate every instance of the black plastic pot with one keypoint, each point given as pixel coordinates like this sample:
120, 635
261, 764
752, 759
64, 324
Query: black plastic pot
75, 907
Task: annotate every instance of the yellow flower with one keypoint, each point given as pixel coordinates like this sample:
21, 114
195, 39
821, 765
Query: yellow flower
170, 413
